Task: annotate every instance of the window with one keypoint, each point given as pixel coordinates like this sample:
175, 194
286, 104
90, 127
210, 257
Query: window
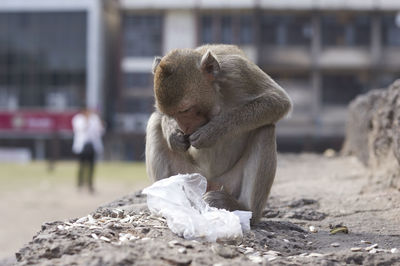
386, 79
142, 35
138, 105
340, 89
228, 29
299, 88
286, 30
391, 30
137, 80
346, 30
246, 30
42, 53
207, 35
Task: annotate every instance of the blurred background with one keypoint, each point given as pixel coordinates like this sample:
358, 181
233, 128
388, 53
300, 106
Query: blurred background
57, 56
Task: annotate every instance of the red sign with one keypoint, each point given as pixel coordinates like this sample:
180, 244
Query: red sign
36, 121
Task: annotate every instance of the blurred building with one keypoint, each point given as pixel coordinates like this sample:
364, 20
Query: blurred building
53, 56
323, 52
59, 55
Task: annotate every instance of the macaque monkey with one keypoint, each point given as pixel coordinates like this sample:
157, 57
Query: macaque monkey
215, 115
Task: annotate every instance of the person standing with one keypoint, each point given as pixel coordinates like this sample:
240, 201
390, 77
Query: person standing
88, 130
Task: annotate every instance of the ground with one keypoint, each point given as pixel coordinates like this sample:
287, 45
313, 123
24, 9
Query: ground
30, 195
310, 190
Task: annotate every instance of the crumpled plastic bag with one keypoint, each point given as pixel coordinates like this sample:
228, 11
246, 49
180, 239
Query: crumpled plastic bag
179, 199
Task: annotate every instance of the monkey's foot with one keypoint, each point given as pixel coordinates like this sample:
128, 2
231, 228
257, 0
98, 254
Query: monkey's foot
222, 200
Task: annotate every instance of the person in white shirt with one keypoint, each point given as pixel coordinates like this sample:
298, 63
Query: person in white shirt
88, 130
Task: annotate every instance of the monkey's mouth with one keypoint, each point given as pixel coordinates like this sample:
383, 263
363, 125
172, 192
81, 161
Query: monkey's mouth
189, 130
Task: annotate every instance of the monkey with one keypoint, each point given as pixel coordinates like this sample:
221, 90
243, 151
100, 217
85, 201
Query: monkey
215, 114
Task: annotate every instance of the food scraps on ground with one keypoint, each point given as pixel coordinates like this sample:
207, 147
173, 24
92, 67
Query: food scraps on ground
338, 229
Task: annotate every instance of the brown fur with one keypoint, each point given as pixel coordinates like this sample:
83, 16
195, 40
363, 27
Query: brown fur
233, 107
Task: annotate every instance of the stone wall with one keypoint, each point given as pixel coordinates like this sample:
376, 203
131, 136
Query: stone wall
373, 133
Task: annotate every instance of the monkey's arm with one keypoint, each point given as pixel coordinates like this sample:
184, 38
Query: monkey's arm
156, 149
161, 161
265, 109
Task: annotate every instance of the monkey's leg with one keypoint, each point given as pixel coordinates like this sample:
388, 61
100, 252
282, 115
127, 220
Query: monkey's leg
161, 161
247, 184
259, 171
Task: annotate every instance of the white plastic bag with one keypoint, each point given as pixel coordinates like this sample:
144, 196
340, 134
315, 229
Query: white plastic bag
180, 200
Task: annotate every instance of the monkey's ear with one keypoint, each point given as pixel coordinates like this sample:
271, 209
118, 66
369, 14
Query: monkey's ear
156, 62
209, 64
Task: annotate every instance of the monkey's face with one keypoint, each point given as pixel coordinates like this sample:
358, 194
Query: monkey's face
190, 118
193, 110
182, 91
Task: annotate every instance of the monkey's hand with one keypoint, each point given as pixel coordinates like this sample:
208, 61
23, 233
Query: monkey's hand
207, 135
222, 200
178, 141
175, 138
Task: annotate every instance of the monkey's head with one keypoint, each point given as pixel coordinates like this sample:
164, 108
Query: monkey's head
183, 87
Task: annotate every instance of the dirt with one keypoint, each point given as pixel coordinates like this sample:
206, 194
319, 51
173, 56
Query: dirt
25, 208
310, 190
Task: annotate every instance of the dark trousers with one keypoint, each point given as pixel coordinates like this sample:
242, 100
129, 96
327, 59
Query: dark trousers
86, 166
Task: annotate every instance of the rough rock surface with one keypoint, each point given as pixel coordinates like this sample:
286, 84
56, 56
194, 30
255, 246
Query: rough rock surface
373, 133
125, 233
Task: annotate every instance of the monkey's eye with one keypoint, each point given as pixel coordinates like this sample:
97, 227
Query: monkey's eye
185, 111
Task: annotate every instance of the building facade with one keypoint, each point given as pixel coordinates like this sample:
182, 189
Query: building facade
53, 55
323, 53
57, 56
